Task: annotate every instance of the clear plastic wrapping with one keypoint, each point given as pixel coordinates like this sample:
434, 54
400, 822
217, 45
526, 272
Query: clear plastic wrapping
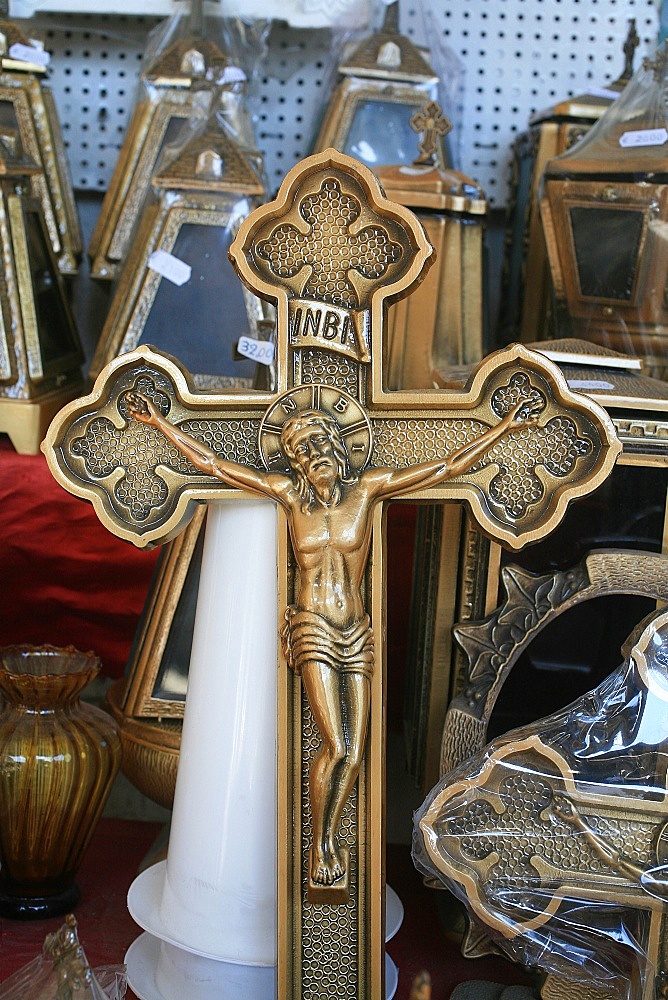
555, 836
62, 972
604, 211
241, 41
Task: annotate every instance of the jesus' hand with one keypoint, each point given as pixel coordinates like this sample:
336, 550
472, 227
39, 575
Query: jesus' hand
524, 414
141, 408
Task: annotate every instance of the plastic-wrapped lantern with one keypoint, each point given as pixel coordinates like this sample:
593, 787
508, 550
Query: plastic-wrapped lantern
40, 351
525, 305
604, 208
384, 82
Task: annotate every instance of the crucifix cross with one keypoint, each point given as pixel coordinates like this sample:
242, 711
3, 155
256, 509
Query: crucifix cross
535, 821
331, 446
574, 816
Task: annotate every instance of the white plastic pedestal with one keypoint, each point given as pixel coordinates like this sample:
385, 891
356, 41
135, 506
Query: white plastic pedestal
160, 970
209, 910
215, 896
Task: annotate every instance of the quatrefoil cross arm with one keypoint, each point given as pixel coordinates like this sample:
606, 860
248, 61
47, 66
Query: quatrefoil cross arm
143, 489
330, 250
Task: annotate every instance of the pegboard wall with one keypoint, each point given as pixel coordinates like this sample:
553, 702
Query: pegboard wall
514, 57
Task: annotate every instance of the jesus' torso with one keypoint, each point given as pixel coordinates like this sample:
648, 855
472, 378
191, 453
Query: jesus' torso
331, 546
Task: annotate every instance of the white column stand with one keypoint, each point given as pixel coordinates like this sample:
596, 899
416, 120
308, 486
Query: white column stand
215, 896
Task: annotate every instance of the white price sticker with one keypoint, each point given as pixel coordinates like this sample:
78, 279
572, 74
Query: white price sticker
644, 137
170, 267
29, 54
589, 383
261, 351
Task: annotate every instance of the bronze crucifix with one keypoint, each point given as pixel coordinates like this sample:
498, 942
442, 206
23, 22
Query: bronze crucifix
331, 447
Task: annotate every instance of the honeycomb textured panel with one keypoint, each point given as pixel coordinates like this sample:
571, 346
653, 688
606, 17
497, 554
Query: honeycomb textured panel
517, 57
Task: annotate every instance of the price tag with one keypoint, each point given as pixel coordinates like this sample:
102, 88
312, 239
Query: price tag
644, 137
29, 54
170, 267
589, 383
261, 351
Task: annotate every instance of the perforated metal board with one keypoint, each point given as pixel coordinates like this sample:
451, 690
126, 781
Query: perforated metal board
518, 56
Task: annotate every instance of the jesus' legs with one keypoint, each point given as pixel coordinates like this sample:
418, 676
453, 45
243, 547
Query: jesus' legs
340, 707
321, 683
355, 695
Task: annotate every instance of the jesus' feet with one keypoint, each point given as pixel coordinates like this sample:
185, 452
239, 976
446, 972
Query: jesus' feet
327, 865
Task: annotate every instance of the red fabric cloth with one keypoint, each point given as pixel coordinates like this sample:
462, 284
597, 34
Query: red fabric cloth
64, 579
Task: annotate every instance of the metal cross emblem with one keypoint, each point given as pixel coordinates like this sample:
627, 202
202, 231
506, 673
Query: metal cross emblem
331, 446
329, 247
577, 814
430, 121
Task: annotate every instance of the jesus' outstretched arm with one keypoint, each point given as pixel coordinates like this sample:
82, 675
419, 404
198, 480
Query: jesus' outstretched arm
202, 457
393, 482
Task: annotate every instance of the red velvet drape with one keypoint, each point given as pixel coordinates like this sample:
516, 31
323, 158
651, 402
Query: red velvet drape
64, 579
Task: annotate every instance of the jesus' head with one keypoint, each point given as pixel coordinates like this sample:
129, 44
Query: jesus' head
312, 443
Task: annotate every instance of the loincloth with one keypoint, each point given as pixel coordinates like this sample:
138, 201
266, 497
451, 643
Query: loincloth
307, 636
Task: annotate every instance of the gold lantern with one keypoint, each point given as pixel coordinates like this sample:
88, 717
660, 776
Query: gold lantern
202, 196
527, 284
40, 351
177, 88
604, 208
386, 80
27, 108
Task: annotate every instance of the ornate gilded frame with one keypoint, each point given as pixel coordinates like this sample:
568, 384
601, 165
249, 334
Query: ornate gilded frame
456, 575
493, 646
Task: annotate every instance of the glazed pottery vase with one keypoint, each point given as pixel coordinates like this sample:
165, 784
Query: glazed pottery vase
58, 759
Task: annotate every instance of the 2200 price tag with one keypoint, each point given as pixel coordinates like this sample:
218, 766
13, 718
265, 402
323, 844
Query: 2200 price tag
261, 351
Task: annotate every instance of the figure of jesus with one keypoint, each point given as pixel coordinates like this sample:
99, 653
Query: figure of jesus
327, 636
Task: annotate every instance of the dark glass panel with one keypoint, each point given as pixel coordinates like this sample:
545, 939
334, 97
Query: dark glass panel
172, 677
200, 322
627, 512
54, 326
8, 120
569, 657
380, 133
606, 242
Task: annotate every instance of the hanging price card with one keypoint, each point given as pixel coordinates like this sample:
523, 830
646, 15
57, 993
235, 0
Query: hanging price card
261, 351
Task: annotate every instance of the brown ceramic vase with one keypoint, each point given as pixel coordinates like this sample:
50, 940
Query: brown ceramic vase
58, 759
